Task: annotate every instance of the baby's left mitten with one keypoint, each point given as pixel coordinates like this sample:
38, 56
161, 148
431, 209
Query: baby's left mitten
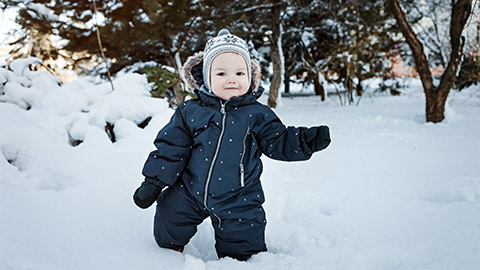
317, 138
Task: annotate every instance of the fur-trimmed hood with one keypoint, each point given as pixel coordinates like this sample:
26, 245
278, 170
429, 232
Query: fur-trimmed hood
193, 73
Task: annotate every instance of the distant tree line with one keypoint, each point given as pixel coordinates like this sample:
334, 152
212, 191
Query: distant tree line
311, 42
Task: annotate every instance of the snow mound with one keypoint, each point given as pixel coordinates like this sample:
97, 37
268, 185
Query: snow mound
42, 120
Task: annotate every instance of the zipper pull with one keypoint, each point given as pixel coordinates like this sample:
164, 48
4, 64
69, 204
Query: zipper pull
222, 108
242, 176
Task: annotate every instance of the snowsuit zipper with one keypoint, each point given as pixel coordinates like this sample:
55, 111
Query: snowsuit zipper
214, 159
242, 169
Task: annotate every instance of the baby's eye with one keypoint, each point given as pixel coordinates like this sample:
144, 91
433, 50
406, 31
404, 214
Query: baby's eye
221, 74
240, 73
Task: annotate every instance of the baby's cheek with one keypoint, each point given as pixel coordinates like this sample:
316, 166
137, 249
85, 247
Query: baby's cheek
244, 88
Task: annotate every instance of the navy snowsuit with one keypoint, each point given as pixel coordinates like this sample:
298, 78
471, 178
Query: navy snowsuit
209, 156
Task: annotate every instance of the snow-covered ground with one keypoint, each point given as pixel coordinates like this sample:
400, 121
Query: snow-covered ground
391, 191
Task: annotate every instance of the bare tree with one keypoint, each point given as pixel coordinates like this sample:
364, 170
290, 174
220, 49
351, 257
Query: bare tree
436, 96
276, 54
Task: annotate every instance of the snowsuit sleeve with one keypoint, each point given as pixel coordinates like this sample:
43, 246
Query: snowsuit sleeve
173, 142
280, 142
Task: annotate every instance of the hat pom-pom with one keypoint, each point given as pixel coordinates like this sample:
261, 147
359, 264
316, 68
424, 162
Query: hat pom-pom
223, 32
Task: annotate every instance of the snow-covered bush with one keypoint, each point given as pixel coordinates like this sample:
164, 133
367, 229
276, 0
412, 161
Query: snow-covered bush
165, 81
39, 115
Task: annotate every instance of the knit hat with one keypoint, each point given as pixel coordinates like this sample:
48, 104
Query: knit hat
224, 42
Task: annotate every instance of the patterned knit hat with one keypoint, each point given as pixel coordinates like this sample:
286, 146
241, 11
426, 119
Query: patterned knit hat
224, 42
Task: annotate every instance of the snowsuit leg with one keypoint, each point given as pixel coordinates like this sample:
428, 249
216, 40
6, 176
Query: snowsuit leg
176, 219
243, 238
178, 215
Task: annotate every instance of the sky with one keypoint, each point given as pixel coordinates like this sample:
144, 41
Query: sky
7, 22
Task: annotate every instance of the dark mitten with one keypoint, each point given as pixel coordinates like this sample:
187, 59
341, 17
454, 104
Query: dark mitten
146, 194
317, 138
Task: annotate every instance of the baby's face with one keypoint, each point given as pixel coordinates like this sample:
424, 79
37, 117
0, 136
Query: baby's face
229, 76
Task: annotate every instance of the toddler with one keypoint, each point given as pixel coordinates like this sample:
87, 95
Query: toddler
209, 153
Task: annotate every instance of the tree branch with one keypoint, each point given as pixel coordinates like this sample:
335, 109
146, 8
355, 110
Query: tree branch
100, 44
421, 61
460, 12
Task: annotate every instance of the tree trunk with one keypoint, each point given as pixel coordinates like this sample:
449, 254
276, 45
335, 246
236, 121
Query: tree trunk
275, 54
177, 87
179, 93
359, 88
435, 106
460, 13
30, 43
319, 90
435, 97
286, 82
348, 79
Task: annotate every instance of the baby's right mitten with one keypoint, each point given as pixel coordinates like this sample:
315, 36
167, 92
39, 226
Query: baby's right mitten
146, 194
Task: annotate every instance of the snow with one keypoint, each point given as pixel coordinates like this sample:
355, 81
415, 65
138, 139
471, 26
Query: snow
40, 11
390, 192
21, 65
